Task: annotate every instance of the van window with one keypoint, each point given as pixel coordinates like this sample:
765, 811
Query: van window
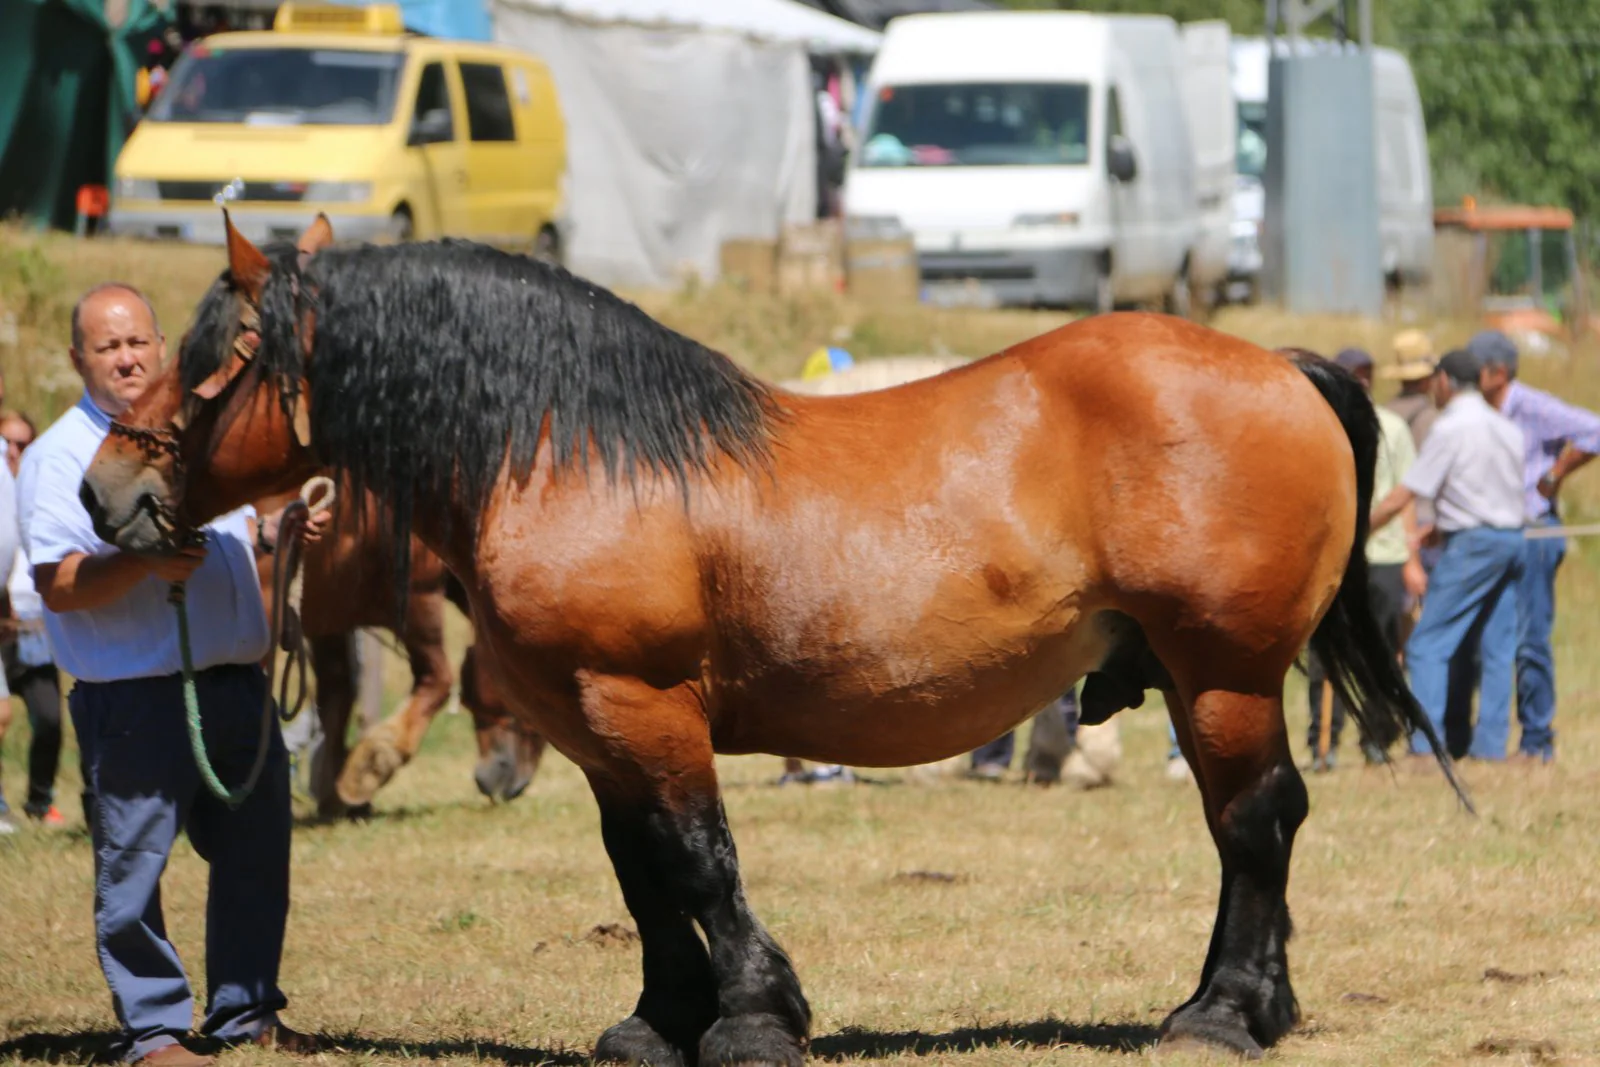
488, 106
1006, 124
281, 87
434, 95
1251, 160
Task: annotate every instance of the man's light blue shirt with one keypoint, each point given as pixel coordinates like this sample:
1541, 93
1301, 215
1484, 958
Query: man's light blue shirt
137, 636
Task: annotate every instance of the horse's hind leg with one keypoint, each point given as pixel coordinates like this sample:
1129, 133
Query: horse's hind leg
1236, 741
737, 1000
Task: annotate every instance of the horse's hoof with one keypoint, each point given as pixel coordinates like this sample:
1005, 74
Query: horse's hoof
751, 1040
1195, 1033
634, 1041
369, 768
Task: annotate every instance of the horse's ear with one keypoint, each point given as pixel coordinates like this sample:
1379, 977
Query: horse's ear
318, 236
219, 378
248, 267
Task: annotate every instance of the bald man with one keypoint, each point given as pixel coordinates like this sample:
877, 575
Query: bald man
112, 629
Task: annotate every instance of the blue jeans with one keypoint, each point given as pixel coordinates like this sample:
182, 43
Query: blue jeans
1000, 751
1536, 668
145, 787
1471, 606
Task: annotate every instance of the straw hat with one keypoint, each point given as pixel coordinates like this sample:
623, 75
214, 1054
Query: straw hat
1413, 354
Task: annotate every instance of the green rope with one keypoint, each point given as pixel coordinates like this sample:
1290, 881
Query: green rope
191, 706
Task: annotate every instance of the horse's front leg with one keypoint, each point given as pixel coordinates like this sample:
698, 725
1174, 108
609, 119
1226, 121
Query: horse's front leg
668, 837
392, 743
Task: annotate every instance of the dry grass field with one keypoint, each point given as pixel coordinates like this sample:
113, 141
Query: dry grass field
952, 923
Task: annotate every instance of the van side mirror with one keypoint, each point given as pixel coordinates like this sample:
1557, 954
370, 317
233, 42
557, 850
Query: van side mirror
1120, 160
431, 127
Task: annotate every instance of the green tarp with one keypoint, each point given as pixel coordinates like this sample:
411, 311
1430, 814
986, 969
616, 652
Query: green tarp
66, 99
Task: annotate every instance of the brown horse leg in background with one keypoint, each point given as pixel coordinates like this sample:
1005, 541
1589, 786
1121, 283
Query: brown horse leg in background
391, 744
347, 584
333, 663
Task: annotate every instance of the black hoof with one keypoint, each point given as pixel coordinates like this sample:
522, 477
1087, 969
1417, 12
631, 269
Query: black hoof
751, 1039
1186, 1031
634, 1041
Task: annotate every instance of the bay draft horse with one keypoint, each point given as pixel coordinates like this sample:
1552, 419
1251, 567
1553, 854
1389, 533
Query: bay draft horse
347, 583
670, 558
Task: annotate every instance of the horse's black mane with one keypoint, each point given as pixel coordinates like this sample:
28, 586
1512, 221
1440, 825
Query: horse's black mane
432, 362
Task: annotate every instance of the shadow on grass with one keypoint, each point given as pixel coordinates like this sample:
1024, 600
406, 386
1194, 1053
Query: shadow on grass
512, 1055
851, 1043
90, 1046
95, 1047
366, 814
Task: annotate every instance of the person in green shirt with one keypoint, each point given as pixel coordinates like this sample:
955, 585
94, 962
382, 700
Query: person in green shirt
1394, 568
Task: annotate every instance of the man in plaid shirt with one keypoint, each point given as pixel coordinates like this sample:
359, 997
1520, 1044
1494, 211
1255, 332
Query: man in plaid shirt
1558, 439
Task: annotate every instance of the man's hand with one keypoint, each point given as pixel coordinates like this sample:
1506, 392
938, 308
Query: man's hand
311, 531
1549, 485
1415, 578
316, 526
176, 568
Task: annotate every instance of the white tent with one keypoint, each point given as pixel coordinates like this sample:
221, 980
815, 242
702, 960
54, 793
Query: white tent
689, 123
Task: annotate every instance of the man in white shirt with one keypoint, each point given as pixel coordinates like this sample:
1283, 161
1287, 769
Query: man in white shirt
1470, 467
112, 628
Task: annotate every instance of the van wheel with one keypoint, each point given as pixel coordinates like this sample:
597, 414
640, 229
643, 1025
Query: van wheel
547, 246
1104, 302
400, 227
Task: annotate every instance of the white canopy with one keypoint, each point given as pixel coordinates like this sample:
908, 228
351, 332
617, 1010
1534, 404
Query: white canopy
767, 20
689, 123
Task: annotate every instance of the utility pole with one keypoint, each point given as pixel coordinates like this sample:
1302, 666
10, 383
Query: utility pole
1320, 240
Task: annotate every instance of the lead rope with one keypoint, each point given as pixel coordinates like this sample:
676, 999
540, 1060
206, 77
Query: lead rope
316, 497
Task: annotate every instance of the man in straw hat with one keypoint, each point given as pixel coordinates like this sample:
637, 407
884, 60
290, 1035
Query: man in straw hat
1413, 368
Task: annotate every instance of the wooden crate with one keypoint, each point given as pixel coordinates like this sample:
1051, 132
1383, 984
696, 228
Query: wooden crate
883, 271
811, 258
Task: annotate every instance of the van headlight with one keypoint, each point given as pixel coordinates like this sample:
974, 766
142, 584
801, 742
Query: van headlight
874, 228
137, 189
338, 192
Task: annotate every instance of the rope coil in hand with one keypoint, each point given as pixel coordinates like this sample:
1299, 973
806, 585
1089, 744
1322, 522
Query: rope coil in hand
316, 498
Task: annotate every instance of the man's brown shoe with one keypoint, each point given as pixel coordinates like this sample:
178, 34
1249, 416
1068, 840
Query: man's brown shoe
280, 1037
175, 1055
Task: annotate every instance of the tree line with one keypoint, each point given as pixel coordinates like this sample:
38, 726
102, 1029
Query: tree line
1510, 88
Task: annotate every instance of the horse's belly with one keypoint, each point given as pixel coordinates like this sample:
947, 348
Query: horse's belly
887, 703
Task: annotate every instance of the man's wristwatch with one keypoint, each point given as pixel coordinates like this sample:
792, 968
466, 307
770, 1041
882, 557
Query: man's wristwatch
1547, 481
261, 540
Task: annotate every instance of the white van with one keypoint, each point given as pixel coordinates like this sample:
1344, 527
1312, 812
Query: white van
1405, 183
1042, 157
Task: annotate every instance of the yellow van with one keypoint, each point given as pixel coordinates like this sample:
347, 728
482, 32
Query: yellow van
339, 110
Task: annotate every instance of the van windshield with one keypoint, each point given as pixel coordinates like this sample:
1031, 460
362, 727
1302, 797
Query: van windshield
1006, 124
1252, 157
281, 87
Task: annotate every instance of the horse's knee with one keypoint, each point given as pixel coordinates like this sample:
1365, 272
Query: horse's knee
1256, 827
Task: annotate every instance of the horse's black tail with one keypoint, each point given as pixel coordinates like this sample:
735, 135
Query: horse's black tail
1356, 658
